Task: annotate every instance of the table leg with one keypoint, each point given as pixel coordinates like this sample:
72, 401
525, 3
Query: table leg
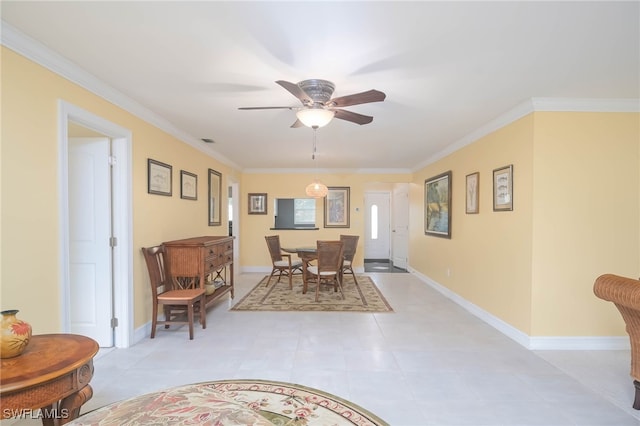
304, 275
70, 406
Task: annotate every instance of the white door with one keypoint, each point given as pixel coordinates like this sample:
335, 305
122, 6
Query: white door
377, 224
400, 229
90, 277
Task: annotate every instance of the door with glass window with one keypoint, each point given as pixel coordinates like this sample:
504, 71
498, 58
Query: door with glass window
377, 225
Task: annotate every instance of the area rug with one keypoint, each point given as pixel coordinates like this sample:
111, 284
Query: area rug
234, 402
361, 297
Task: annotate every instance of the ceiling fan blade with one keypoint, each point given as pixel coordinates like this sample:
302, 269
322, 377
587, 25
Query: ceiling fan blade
358, 98
272, 107
353, 117
296, 91
297, 124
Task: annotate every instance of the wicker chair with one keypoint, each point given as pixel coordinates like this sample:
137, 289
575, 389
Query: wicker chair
175, 302
329, 266
625, 294
281, 262
350, 245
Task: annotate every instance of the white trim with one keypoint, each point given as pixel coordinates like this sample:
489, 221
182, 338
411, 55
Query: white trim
586, 105
533, 105
122, 211
42, 55
583, 343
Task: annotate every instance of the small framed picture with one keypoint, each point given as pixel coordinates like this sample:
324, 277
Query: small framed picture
472, 193
159, 178
503, 189
257, 203
437, 205
188, 185
336, 207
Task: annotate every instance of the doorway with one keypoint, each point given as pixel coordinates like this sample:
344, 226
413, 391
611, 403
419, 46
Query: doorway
84, 309
386, 229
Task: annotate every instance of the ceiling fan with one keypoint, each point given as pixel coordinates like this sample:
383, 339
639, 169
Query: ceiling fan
318, 108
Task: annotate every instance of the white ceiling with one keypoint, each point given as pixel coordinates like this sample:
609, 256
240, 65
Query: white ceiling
447, 68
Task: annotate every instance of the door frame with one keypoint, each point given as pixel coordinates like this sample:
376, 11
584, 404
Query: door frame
121, 211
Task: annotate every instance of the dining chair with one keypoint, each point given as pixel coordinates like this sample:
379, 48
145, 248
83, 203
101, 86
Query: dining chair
350, 247
281, 262
328, 267
175, 302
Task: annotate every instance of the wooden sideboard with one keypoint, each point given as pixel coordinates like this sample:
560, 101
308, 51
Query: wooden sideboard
192, 262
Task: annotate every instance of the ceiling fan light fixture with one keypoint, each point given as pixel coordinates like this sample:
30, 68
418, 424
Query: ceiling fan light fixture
317, 189
315, 117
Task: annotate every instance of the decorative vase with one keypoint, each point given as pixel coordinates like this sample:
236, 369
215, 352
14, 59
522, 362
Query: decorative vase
14, 334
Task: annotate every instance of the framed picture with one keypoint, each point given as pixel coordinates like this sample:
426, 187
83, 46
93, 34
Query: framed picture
336, 207
215, 202
437, 205
188, 185
503, 189
257, 203
472, 192
159, 177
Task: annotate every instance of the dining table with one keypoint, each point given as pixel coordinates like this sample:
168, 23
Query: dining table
307, 255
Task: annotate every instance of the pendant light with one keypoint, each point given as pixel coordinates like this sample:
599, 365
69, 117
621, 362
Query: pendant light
316, 189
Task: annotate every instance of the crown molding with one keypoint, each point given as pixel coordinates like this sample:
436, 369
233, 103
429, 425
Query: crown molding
535, 105
42, 55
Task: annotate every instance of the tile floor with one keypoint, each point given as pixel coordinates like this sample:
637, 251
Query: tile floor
429, 363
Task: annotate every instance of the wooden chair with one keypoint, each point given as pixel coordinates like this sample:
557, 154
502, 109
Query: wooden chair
328, 268
350, 245
174, 302
282, 263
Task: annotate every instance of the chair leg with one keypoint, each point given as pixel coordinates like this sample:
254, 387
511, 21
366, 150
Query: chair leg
636, 402
318, 281
167, 315
269, 280
354, 276
154, 320
203, 312
190, 317
290, 279
339, 283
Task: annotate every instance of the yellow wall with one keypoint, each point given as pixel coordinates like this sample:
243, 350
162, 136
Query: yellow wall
255, 227
576, 215
586, 218
30, 234
489, 254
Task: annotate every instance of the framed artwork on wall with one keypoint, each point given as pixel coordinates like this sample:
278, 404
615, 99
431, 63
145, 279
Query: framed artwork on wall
336, 207
437, 205
503, 188
215, 202
257, 203
188, 185
159, 178
472, 193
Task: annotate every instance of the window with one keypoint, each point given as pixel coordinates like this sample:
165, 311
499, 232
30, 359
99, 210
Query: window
293, 213
374, 222
304, 211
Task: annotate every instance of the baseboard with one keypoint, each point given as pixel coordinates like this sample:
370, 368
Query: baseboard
583, 343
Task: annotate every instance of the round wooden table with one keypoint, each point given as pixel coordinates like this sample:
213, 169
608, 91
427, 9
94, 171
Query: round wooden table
49, 380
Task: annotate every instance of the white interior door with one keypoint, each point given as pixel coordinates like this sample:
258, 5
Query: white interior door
377, 224
90, 263
400, 229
